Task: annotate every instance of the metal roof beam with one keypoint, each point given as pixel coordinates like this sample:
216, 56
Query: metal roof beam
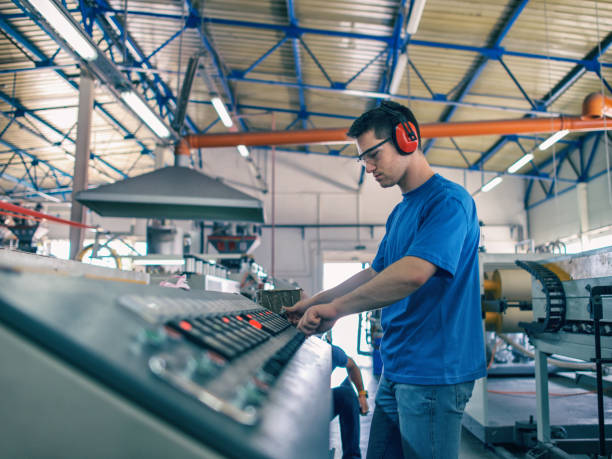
263, 57
472, 76
163, 93
295, 44
28, 186
195, 20
305, 30
560, 157
44, 60
576, 72
14, 148
388, 39
381, 95
20, 107
394, 47
563, 85
587, 169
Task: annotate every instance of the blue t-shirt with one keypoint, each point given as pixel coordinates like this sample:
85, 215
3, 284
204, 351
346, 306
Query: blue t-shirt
434, 336
339, 357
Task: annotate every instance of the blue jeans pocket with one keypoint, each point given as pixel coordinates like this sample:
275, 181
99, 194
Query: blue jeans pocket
463, 393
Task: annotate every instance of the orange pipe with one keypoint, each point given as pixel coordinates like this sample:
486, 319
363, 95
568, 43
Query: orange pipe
596, 105
430, 130
504, 127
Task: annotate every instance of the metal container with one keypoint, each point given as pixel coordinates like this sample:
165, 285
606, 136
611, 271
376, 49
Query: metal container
275, 299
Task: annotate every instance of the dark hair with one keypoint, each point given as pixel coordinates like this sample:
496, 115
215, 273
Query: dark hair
382, 121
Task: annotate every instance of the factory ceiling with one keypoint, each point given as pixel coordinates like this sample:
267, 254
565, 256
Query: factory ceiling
282, 65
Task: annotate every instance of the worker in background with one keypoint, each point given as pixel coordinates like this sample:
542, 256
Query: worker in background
348, 406
425, 276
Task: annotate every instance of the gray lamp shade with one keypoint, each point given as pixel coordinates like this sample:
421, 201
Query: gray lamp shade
172, 192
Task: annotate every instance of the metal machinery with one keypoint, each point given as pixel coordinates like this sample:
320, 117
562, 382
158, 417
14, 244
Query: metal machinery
96, 368
564, 304
23, 227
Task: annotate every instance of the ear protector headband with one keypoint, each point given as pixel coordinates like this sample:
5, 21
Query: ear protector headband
403, 133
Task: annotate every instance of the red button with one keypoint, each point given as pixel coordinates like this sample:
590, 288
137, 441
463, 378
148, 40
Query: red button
225, 319
249, 316
185, 325
255, 324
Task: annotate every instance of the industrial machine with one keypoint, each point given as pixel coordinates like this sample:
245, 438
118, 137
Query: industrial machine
572, 310
561, 303
114, 369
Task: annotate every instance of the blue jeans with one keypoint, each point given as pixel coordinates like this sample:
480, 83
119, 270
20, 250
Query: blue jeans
346, 406
414, 421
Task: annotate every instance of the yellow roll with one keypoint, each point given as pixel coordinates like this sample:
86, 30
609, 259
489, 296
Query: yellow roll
513, 284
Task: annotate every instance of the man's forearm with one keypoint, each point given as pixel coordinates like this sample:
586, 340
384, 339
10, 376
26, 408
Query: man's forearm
394, 283
327, 296
356, 379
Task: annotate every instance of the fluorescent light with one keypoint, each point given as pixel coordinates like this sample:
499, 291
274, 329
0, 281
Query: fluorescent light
491, 184
520, 163
145, 113
222, 111
553, 138
415, 16
400, 66
73, 36
243, 150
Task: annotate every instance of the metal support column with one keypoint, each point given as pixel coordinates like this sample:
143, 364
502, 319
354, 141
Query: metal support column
83, 140
543, 412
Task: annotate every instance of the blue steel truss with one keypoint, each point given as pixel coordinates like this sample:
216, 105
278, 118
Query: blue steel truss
559, 89
479, 66
582, 170
95, 12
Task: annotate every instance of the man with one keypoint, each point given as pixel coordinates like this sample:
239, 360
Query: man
347, 406
425, 276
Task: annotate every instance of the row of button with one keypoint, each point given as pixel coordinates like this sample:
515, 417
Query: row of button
160, 309
271, 322
230, 335
256, 390
277, 362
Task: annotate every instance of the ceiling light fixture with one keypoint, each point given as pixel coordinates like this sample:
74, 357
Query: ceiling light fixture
491, 184
222, 111
520, 163
145, 113
243, 150
398, 73
73, 36
553, 139
415, 16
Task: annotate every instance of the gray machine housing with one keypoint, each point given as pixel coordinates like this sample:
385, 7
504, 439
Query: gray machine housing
76, 381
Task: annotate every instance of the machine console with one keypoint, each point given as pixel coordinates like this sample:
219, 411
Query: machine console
233, 375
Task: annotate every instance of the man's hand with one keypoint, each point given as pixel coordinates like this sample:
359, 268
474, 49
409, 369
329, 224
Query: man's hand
318, 319
363, 405
294, 313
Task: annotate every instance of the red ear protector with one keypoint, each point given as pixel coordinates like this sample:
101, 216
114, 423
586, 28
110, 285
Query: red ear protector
403, 134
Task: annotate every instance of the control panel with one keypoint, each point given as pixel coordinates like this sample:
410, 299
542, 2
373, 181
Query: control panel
231, 375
